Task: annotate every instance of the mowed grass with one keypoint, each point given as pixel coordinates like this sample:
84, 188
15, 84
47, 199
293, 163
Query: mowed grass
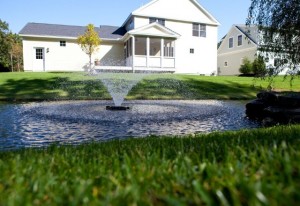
80, 86
249, 167
258, 167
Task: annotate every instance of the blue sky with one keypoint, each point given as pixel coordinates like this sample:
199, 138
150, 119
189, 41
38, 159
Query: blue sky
105, 12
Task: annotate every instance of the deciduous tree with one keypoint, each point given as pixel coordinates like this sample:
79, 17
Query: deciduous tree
89, 42
279, 31
4, 45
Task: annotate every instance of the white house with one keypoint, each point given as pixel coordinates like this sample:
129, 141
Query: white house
241, 42
162, 35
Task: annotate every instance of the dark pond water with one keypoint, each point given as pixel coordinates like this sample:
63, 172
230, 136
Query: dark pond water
74, 122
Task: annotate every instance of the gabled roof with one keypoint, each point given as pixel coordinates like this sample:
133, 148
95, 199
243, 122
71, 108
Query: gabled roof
172, 6
251, 32
67, 31
154, 29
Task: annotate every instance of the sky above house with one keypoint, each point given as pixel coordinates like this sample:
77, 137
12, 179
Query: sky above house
106, 12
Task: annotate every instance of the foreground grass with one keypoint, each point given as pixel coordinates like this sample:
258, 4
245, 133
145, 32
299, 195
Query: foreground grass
258, 167
66, 86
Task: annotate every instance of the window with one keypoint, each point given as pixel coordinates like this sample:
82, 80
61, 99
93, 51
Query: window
62, 43
131, 25
199, 30
128, 48
225, 64
39, 53
231, 42
277, 62
192, 51
240, 40
160, 21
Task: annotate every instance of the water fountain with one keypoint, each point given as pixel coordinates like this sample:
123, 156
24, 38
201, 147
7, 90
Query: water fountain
39, 124
118, 85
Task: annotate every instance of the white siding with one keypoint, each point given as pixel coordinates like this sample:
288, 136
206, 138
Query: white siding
71, 57
183, 10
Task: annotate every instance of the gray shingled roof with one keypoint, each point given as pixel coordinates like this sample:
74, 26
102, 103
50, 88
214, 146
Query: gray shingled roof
40, 29
250, 31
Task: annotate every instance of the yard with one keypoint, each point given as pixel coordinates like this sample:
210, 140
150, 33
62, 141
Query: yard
62, 86
248, 167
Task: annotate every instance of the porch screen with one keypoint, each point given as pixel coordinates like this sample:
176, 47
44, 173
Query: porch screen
169, 48
140, 46
155, 47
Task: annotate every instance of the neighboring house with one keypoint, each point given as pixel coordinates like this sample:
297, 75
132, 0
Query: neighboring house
162, 35
241, 42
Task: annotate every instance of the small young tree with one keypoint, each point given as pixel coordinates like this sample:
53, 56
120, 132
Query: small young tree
259, 67
89, 42
246, 67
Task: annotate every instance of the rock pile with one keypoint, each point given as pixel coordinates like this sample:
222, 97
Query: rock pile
273, 108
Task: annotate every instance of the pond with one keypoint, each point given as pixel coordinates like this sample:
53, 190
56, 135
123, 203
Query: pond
40, 124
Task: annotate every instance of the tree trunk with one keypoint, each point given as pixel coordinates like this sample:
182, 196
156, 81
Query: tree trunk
90, 56
12, 63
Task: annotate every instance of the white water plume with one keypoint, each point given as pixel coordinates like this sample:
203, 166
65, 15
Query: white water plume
119, 84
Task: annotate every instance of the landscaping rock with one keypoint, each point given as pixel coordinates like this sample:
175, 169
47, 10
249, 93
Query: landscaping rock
274, 108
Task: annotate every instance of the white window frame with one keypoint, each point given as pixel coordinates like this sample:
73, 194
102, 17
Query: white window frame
158, 20
240, 40
63, 43
199, 30
39, 53
230, 43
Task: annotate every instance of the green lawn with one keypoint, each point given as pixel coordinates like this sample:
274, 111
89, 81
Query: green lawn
249, 167
58, 86
258, 167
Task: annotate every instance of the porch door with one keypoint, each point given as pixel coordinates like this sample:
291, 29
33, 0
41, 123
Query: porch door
39, 59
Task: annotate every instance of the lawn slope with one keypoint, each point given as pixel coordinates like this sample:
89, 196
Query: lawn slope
77, 86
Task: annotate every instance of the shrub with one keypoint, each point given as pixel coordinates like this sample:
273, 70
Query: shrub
246, 67
259, 67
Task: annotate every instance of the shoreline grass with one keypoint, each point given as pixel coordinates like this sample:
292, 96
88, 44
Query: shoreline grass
248, 167
80, 86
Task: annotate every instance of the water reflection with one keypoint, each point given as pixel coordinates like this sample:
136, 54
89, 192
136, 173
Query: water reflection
73, 122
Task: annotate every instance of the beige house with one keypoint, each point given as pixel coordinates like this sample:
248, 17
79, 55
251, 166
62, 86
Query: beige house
242, 42
239, 43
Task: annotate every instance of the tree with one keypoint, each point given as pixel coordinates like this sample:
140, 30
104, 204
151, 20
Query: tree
259, 67
246, 67
89, 42
4, 45
15, 51
278, 22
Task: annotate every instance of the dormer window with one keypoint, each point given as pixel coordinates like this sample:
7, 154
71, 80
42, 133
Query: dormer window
160, 21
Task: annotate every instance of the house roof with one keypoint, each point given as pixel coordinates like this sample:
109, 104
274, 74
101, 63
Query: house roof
55, 30
188, 18
250, 32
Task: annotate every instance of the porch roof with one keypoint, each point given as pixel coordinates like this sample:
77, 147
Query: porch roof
153, 29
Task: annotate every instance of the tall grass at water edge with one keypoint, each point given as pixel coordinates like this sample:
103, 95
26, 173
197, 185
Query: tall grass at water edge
249, 167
